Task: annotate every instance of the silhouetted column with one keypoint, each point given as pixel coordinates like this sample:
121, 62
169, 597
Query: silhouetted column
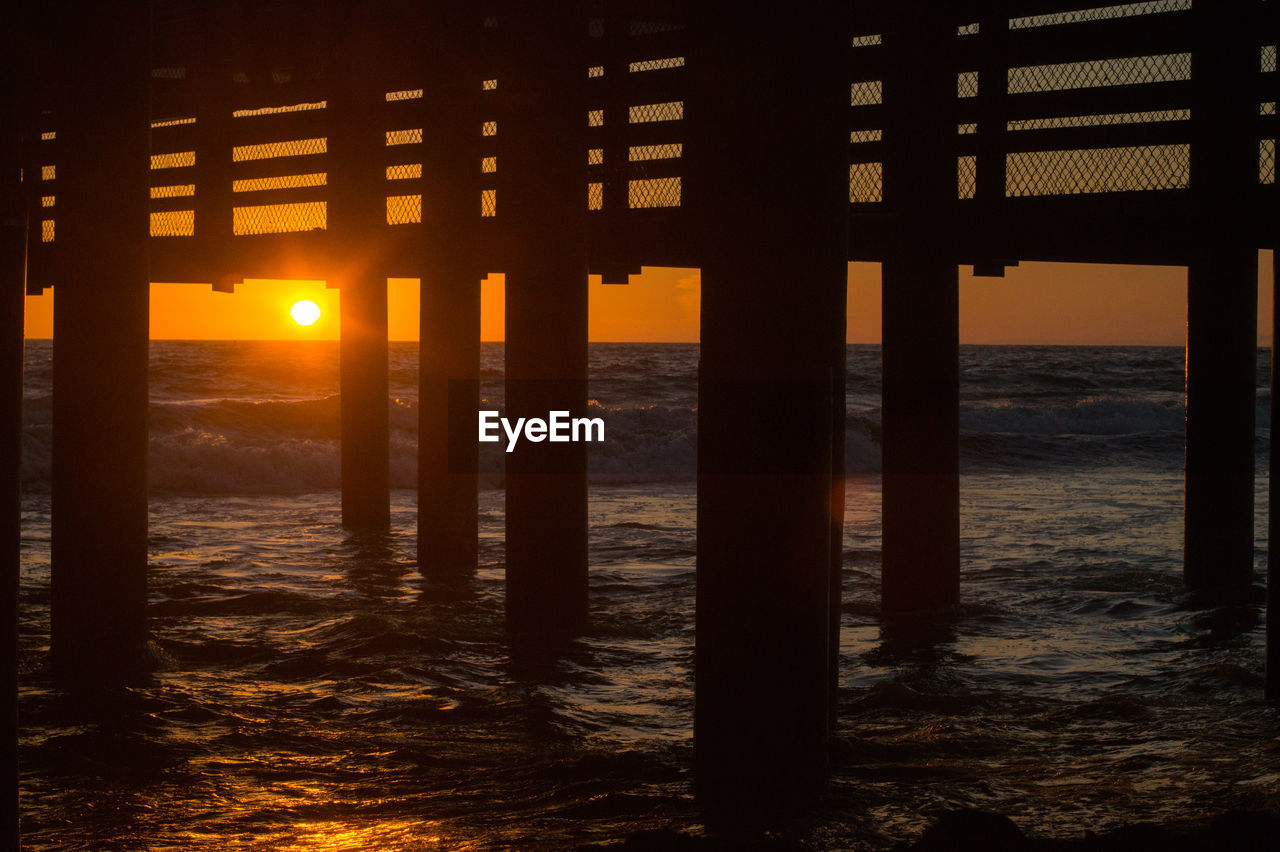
357, 221
447, 448
767, 183
13, 239
837, 333
100, 327
449, 348
920, 320
1273, 504
542, 206
1221, 306
1273, 483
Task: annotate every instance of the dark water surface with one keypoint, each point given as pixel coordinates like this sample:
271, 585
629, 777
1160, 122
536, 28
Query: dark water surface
317, 693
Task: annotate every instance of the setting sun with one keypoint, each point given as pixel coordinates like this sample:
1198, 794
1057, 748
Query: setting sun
305, 312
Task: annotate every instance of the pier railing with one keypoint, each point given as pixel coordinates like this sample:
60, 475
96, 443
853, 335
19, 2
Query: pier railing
1068, 124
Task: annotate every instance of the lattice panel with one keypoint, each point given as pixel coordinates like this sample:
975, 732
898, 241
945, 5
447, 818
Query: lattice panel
1267, 58
488, 203
642, 28
866, 183
404, 209
656, 64
966, 176
175, 160
173, 223
669, 111
176, 191
653, 192
866, 40
1267, 161
595, 196
642, 153
1100, 13
280, 182
278, 110
279, 218
856, 136
410, 136
1132, 70
1110, 120
867, 93
967, 84
1128, 169
46, 230
271, 150
404, 171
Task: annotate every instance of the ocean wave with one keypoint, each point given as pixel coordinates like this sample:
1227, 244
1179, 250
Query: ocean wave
230, 445
1093, 415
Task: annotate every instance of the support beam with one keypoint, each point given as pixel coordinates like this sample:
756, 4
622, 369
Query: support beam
921, 316
1273, 506
836, 333
767, 181
366, 463
1269, 214
13, 256
448, 487
543, 202
100, 327
357, 219
1221, 306
449, 330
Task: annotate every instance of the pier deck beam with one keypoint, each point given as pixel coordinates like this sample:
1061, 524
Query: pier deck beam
768, 185
920, 325
99, 496
544, 202
357, 212
1221, 307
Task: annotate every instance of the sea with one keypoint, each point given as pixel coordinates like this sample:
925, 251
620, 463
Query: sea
315, 691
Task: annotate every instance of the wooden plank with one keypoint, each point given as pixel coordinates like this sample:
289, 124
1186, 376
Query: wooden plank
1107, 100
277, 166
1108, 136
1143, 35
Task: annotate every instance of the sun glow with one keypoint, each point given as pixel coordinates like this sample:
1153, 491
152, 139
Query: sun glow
305, 312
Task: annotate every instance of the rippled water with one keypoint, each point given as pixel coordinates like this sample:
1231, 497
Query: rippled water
316, 692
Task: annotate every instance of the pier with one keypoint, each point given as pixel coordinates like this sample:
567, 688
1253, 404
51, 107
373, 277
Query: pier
357, 142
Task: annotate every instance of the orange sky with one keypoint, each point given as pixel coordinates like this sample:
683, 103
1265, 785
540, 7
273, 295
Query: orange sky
1034, 303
